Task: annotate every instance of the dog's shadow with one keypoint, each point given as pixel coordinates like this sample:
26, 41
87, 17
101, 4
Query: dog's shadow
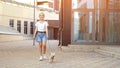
55, 62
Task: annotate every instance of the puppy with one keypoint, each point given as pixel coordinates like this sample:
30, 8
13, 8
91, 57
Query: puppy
51, 58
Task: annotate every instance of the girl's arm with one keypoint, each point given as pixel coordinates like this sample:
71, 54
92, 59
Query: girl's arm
47, 31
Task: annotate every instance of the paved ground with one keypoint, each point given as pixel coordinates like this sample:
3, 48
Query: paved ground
22, 54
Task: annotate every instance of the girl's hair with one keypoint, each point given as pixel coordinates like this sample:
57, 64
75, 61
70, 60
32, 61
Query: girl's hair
41, 13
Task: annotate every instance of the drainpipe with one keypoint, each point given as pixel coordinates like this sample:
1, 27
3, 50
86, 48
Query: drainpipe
60, 22
34, 23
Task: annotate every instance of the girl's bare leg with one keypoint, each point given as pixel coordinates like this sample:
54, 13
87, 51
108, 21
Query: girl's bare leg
44, 50
44, 47
40, 48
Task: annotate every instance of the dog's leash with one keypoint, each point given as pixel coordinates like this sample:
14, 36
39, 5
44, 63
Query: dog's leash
52, 52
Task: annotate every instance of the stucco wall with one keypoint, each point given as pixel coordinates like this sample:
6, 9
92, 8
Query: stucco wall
9, 37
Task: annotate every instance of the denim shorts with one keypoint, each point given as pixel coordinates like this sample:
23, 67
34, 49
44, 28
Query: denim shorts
41, 37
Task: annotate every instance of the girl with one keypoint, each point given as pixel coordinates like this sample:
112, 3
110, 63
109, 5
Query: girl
41, 35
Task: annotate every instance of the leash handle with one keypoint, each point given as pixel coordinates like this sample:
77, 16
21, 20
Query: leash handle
33, 42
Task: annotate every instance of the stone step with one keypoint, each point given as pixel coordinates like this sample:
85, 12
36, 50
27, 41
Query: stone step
112, 48
108, 53
113, 51
27, 37
78, 48
8, 30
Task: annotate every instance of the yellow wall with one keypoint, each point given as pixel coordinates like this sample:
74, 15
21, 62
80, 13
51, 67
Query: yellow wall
0, 13
16, 12
6, 38
10, 11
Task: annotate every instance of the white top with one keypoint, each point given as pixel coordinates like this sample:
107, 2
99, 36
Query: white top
41, 25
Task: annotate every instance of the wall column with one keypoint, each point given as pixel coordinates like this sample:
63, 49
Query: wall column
66, 13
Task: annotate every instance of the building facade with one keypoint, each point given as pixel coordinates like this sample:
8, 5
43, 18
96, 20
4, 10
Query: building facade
20, 17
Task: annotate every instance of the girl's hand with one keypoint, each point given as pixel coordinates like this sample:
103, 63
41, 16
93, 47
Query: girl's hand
47, 36
33, 37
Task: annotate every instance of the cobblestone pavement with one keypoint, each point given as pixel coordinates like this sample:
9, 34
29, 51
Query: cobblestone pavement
22, 54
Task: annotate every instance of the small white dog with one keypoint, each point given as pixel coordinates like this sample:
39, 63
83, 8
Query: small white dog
51, 58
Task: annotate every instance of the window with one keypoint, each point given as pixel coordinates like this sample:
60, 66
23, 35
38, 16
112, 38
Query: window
19, 25
31, 27
25, 27
92, 24
11, 23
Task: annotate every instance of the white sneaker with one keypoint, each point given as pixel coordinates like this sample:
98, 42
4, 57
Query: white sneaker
41, 58
44, 56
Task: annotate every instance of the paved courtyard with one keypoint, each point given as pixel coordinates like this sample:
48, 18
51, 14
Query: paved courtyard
22, 54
